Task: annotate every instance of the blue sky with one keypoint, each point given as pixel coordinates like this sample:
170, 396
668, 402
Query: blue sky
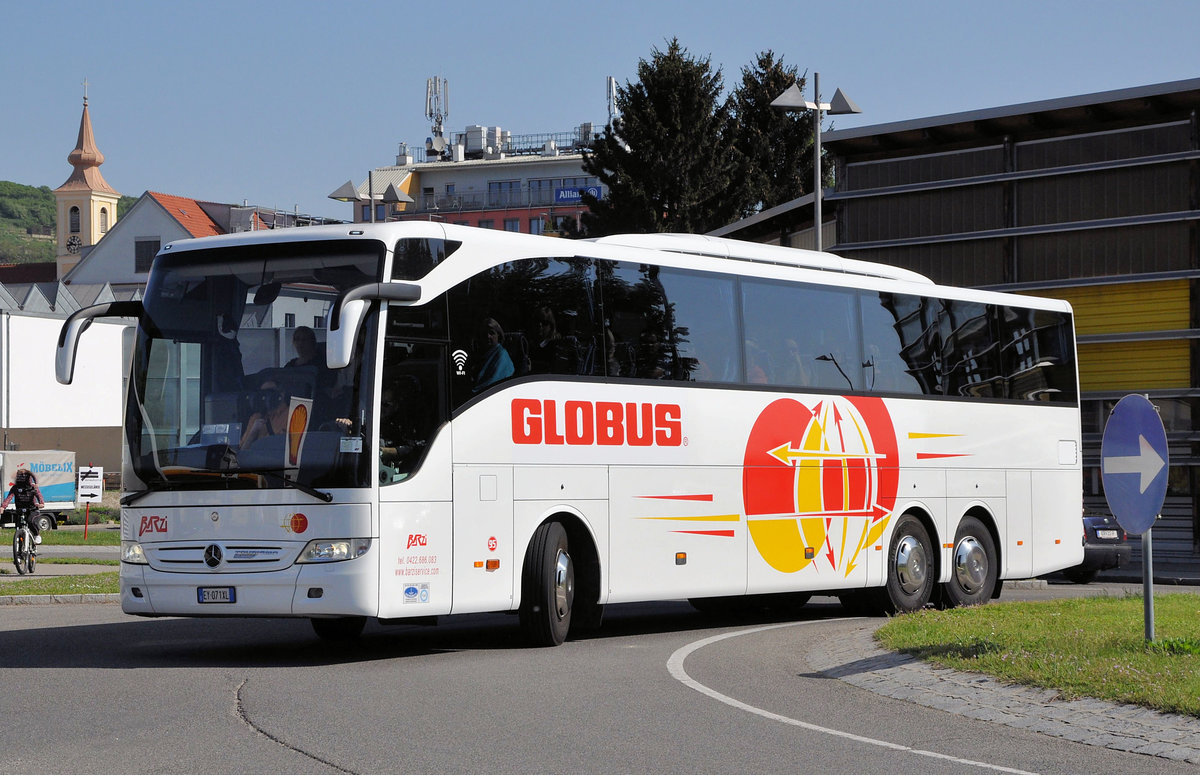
278, 103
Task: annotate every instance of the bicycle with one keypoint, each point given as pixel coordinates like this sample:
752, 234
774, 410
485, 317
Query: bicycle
23, 546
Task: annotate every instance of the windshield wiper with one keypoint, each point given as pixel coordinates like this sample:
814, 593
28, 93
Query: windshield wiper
278, 477
162, 486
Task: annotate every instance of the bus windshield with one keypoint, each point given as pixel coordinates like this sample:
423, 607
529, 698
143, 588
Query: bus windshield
230, 387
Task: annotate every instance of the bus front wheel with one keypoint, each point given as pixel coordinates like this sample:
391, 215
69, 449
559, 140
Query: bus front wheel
911, 566
547, 586
973, 575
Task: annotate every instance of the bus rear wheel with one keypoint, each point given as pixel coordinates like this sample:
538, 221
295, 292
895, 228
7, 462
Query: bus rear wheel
341, 629
911, 569
547, 586
973, 575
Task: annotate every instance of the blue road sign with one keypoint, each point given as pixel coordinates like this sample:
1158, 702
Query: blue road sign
1133, 463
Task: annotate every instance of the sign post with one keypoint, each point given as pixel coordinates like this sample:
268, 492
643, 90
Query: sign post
1134, 460
91, 488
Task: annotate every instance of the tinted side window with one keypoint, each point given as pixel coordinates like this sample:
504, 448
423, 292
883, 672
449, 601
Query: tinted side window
920, 341
637, 322
802, 336
704, 326
415, 256
1037, 354
525, 317
885, 368
970, 351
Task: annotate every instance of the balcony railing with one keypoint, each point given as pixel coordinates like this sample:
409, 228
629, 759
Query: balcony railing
492, 200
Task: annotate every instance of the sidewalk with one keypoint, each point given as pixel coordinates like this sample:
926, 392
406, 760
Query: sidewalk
858, 660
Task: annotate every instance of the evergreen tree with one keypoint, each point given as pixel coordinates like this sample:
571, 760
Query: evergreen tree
778, 143
669, 162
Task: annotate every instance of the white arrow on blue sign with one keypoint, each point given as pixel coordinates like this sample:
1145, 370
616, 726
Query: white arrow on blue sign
1134, 459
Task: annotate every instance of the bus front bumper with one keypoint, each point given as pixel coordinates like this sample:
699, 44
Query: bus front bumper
334, 589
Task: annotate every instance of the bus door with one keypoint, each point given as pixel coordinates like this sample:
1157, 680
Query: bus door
414, 470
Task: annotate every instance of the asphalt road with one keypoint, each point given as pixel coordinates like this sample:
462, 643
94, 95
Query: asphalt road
88, 689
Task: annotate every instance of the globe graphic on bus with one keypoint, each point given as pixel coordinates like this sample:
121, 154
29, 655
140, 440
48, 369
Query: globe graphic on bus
819, 481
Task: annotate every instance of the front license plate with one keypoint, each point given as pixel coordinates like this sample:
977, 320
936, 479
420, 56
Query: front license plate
216, 594
1106, 534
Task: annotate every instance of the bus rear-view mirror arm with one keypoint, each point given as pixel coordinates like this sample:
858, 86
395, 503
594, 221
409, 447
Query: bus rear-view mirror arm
76, 324
349, 309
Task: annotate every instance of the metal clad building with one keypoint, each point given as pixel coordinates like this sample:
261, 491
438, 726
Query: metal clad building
1094, 199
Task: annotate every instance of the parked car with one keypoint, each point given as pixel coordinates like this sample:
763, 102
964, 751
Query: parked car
1105, 546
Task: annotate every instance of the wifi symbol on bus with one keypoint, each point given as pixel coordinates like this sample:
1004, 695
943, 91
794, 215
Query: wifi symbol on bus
460, 362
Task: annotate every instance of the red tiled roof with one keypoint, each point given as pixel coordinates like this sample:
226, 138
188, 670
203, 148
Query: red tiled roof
189, 214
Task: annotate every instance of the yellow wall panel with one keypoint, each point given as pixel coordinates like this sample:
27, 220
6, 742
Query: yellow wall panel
1113, 309
1134, 365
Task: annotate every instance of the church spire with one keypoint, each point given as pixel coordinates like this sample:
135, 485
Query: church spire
86, 159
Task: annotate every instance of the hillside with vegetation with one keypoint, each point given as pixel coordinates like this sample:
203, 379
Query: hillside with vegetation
26, 223
27, 215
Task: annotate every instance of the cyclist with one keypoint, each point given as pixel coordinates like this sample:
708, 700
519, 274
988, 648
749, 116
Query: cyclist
27, 496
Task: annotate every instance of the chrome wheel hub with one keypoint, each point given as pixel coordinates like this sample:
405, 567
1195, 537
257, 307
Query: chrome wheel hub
970, 564
564, 584
911, 565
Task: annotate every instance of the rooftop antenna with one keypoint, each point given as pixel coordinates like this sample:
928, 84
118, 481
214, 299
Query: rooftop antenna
437, 110
611, 88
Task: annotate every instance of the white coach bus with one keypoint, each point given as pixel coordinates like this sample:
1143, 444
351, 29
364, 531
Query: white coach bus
409, 420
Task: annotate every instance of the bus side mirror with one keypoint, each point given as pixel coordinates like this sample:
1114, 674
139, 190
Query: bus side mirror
76, 324
348, 311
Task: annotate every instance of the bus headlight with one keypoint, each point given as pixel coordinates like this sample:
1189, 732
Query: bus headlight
334, 549
131, 552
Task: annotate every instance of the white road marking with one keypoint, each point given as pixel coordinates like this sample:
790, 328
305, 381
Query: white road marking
675, 666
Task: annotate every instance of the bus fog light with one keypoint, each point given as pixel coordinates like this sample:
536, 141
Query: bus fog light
131, 552
334, 549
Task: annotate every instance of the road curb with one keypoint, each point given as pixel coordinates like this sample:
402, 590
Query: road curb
1026, 584
57, 599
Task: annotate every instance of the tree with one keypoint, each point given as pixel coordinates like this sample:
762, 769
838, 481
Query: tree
779, 144
669, 162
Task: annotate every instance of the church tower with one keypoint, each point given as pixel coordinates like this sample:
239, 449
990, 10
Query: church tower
87, 205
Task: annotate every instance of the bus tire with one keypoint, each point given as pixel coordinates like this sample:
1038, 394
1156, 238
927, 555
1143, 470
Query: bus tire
912, 569
547, 586
973, 566
343, 628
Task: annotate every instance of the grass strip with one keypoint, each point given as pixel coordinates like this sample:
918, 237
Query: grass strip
1084, 647
75, 561
97, 536
91, 584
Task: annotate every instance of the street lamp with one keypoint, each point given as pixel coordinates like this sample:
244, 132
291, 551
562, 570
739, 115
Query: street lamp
348, 192
793, 99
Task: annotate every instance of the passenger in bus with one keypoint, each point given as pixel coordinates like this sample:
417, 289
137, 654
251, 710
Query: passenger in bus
612, 366
270, 420
756, 359
496, 365
791, 369
551, 352
304, 341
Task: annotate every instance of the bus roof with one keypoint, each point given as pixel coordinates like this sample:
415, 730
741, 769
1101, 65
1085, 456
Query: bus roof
483, 243
739, 250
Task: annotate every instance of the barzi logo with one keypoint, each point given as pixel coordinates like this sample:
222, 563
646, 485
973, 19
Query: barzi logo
152, 525
417, 539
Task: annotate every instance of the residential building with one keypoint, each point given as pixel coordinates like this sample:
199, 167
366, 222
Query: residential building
486, 177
